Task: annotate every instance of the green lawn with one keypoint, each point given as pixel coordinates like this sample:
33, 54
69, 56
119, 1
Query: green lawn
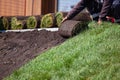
92, 55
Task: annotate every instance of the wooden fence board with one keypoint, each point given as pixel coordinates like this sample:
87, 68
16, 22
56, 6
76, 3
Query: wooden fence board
26, 7
12, 7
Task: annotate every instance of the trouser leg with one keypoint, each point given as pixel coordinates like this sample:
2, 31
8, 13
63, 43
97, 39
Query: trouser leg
115, 9
94, 10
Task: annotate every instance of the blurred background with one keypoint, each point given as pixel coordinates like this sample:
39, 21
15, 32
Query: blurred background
34, 7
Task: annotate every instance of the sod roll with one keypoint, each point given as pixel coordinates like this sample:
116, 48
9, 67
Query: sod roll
83, 16
70, 28
31, 22
47, 21
4, 24
59, 17
21, 18
17, 24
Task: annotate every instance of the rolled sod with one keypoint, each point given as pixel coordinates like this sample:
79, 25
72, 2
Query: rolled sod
59, 17
83, 16
71, 28
17, 24
31, 22
47, 21
4, 24
21, 18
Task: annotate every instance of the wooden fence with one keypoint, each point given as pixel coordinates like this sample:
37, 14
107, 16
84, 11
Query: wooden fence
26, 7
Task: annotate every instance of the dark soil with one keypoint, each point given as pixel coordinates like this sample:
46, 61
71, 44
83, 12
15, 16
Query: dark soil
18, 48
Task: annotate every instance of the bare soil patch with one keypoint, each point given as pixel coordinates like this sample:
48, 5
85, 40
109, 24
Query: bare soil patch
18, 48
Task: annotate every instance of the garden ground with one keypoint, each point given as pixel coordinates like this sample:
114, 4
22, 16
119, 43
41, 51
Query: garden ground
92, 55
18, 48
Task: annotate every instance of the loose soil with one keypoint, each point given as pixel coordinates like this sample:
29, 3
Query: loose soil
18, 48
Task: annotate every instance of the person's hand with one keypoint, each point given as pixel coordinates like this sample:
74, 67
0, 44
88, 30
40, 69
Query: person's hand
99, 22
111, 19
64, 19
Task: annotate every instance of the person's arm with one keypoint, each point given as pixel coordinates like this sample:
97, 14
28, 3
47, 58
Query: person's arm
105, 9
78, 8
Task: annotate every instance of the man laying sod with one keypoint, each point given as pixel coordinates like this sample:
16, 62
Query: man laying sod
101, 10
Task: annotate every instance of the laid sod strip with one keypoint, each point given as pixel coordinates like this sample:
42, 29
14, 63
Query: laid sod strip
91, 55
4, 24
70, 28
31, 22
47, 21
17, 24
59, 17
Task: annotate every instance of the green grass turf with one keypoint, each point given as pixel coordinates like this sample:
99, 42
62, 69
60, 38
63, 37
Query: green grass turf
92, 55
31, 22
47, 21
59, 17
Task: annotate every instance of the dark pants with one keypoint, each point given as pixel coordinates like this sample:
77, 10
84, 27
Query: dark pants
114, 11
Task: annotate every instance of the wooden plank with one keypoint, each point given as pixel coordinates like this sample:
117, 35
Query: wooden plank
56, 5
37, 7
12, 7
28, 7
48, 6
